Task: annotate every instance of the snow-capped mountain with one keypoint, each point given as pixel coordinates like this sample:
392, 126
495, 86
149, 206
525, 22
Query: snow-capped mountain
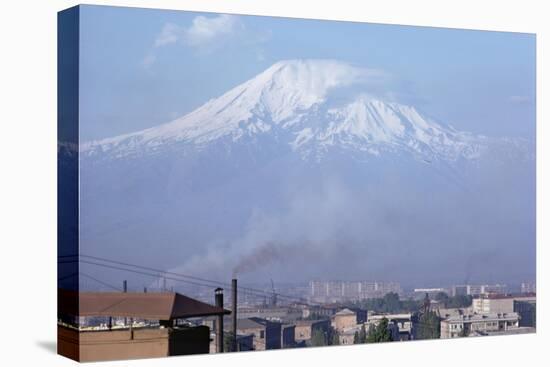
306, 152
309, 106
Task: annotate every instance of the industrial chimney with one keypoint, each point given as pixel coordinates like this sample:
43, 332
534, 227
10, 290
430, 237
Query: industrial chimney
234, 314
219, 322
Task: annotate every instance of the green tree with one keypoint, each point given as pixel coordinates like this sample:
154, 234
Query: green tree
429, 326
363, 334
356, 338
460, 301
314, 316
228, 342
391, 302
360, 336
335, 338
442, 297
318, 338
380, 333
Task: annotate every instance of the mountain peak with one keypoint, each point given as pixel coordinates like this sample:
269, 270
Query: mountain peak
298, 103
281, 92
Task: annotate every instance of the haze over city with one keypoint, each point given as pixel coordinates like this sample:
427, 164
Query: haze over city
220, 145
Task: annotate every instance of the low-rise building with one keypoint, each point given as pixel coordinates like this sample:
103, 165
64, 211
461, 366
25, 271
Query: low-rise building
267, 334
498, 303
149, 325
244, 342
347, 336
420, 293
320, 311
393, 326
277, 313
477, 289
527, 311
444, 313
288, 335
344, 319
304, 329
402, 325
476, 324
338, 291
513, 331
459, 290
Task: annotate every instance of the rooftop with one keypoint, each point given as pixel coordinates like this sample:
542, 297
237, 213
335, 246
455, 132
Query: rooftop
310, 322
507, 296
345, 312
152, 306
254, 323
510, 316
406, 316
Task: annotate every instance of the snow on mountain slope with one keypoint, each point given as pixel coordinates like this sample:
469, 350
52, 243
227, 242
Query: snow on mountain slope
300, 104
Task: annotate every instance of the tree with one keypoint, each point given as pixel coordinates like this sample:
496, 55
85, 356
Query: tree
363, 334
360, 336
459, 301
335, 338
429, 326
380, 333
318, 338
228, 342
391, 302
442, 297
356, 338
313, 316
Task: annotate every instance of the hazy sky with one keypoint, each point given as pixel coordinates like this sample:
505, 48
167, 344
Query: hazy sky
141, 68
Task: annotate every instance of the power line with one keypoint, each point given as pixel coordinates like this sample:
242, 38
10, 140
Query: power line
215, 282
102, 282
155, 270
153, 275
212, 282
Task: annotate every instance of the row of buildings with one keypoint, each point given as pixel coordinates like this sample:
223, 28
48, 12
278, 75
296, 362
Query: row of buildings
462, 290
341, 291
118, 325
329, 291
491, 314
478, 289
260, 334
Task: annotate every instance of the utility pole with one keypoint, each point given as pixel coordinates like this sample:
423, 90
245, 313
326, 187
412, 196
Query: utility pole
125, 290
234, 314
219, 322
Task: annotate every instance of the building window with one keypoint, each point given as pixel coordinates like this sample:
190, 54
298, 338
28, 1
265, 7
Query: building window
262, 334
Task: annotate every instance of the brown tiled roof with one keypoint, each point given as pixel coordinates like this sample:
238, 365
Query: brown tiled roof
153, 306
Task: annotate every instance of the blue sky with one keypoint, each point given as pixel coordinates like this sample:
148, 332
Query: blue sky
141, 67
